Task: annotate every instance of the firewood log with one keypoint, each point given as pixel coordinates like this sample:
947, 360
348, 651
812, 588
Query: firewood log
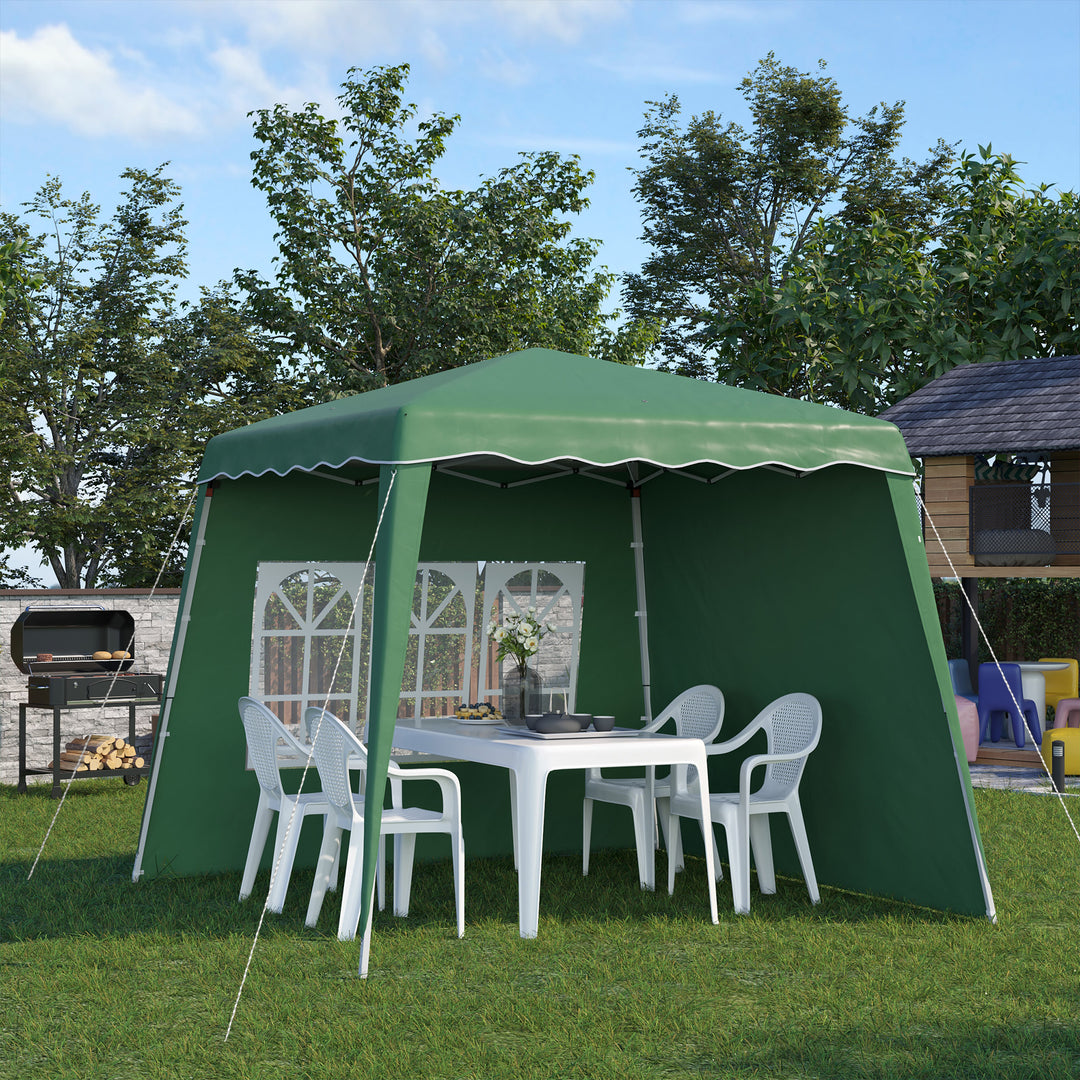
95, 742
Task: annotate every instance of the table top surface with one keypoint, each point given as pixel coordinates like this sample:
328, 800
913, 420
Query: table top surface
487, 744
1039, 665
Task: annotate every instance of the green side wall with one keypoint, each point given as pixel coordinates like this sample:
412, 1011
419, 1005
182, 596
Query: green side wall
767, 585
761, 583
201, 816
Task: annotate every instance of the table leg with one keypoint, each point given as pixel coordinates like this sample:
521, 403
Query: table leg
650, 829
513, 815
1033, 683
710, 847
531, 785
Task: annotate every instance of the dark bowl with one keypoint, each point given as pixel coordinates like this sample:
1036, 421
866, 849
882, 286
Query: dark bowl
556, 724
584, 719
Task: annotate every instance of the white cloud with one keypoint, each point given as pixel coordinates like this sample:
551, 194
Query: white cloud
49, 76
372, 29
207, 63
566, 21
505, 70
648, 69
242, 83
360, 30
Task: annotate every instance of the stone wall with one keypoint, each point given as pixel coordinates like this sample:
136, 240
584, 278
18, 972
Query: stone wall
154, 615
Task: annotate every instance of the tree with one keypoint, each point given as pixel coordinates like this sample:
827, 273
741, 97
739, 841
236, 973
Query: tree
869, 314
13, 275
112, 386
382, 275
727, 212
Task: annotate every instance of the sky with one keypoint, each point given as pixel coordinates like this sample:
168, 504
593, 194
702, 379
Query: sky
90, 88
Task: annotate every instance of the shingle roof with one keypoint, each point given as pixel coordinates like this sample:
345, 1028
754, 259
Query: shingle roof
1010, 406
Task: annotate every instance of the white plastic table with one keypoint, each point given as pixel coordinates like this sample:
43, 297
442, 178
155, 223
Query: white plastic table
530, 760
1033, 682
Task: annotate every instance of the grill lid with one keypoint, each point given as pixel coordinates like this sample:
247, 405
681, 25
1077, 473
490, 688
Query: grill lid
71, 636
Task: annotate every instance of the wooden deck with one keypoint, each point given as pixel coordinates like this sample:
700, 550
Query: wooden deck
1003, 753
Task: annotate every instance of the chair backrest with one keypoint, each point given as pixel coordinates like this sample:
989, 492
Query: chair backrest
263, 730
1060, 684
333, 744
960, 674
792, 725
697, 712
997, 689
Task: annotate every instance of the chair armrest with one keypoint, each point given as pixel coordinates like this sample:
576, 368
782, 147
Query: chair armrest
657, 723
448, 783
728, 745
753, 762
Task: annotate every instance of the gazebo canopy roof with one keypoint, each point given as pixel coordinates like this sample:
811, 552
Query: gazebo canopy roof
539, 406
1008, 406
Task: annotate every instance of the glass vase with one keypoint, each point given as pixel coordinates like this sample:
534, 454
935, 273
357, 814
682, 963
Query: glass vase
524, 695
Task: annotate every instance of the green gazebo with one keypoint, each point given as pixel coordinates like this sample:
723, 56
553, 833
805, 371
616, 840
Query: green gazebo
762, 544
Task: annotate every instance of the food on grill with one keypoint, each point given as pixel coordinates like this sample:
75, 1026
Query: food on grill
479, 710
101, 654
121, 655
44, 657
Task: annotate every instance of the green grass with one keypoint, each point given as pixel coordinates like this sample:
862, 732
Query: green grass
105, 979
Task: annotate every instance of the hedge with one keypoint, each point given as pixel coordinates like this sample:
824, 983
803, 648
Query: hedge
1024, 618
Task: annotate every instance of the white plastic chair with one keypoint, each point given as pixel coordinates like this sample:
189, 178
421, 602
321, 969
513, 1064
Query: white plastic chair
698, 713
357, 764
264, 732
792, 725
337, 750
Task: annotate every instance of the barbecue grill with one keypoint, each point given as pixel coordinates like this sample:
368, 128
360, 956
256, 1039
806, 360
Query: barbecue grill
56, 647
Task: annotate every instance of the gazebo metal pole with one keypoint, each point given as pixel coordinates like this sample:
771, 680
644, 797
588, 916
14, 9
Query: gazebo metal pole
642, 607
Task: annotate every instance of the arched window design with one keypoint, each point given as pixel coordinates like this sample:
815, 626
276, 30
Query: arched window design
555, 590
310, 645
439, 661
311, 636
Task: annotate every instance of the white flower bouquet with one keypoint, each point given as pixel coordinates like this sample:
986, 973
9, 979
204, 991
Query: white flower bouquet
519, 637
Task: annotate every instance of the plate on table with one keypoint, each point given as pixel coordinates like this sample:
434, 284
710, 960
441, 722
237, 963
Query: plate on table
478, 719
526, 733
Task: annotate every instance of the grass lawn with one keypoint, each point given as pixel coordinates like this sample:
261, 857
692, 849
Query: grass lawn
105, 979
